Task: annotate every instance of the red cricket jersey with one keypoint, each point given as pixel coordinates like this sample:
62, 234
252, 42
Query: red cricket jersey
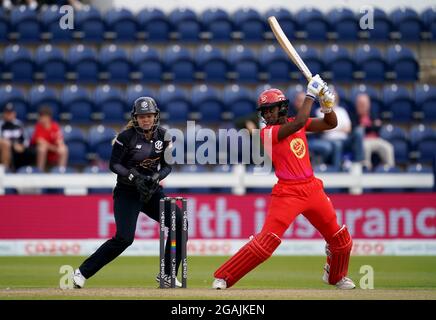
51, 135
289, 156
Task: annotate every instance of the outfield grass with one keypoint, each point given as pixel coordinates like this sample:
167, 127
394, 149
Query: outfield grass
20, 276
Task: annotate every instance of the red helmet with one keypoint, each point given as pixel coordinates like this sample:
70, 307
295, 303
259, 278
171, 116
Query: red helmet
270, 98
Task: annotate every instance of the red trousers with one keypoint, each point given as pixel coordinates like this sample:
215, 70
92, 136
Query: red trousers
290, 198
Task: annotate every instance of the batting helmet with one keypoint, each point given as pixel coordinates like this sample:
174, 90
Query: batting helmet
145, 105
271, 98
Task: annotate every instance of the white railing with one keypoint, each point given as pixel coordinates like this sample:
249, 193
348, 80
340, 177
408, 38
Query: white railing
238, 180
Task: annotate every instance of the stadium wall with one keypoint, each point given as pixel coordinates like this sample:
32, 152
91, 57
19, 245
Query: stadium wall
387, 224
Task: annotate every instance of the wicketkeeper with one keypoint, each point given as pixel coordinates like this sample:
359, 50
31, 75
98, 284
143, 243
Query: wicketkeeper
297, 190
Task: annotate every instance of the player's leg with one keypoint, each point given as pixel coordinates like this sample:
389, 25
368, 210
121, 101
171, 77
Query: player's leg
322, 216
126, 210
281, 213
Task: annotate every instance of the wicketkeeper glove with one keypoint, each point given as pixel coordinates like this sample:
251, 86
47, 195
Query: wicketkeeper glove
144, 184
327, 100
314, 87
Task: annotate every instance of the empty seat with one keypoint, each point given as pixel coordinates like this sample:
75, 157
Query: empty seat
287, 21
122, 23
25, 22
344, 24
147, 61
110, 102
175, 102
211, 62
407, 22
135, 91
40, 96
207, 101
15, 96
370, 61
84, 63
51, 62
428, 17
4, 26
403, 62
313, 23
18, 61
185, 24
275, 63
398, 103
77, 145
249, 23
90, 24
115, 62
77, 104
100, 141
311, 58
381, 26
243, 63
423, 141
425, 99
339, 62
399, 140
50, 20
179, 63
218, 24
155, 24
239, 100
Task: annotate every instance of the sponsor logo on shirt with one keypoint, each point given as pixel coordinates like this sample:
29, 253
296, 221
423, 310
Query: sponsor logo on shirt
158, 145
298, 147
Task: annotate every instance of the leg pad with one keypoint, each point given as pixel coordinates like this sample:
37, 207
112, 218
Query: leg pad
338, 251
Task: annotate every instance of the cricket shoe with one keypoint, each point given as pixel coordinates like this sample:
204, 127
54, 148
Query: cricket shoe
78, 279
343, 284
219, 284
167, 281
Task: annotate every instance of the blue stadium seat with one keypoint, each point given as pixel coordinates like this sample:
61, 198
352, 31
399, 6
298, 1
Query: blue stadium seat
50, 18
83, 61
175, 102
239, 100
211, 62
4, 26
18, 61
122, 22
428, 17
77, 145
110, 102
419, 168
133, 92
344, 24
398, 138
249, 23
403, 62
115, 62
40, 96
376, 100
179, 62
291, 93
313, 23
344, 99
77, 103
91, 24
155, 23
425, 99
275, 63
51, 62
100, 141
218, 23
287, 21
423, 140
398, 103
147, 61
29, 170
382, 26
370, 61
339, 62
25, 22
407, 22
243, 63
311, 58
185, 24
208, 102
16, 96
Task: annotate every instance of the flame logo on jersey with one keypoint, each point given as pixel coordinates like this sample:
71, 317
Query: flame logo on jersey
149, 163
298, 147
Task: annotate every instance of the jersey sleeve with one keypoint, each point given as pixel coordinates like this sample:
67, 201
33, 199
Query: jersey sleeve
270, 133
119, 150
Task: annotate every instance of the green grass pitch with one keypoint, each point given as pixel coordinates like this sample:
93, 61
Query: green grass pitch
281, 277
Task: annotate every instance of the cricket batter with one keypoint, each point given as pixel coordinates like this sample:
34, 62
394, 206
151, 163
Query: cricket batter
297, 190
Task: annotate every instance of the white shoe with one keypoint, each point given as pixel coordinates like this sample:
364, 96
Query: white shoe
343, 284
167, 281
219, 284
78, 279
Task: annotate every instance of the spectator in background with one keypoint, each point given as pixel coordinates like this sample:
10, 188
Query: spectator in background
372, 143
48, 141
14, 151
344, 138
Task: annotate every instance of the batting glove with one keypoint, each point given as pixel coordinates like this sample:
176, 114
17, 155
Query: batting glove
314, 87
327, 100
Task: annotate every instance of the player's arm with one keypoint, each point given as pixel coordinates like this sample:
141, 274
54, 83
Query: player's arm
314, 87
329, 121
119, 150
